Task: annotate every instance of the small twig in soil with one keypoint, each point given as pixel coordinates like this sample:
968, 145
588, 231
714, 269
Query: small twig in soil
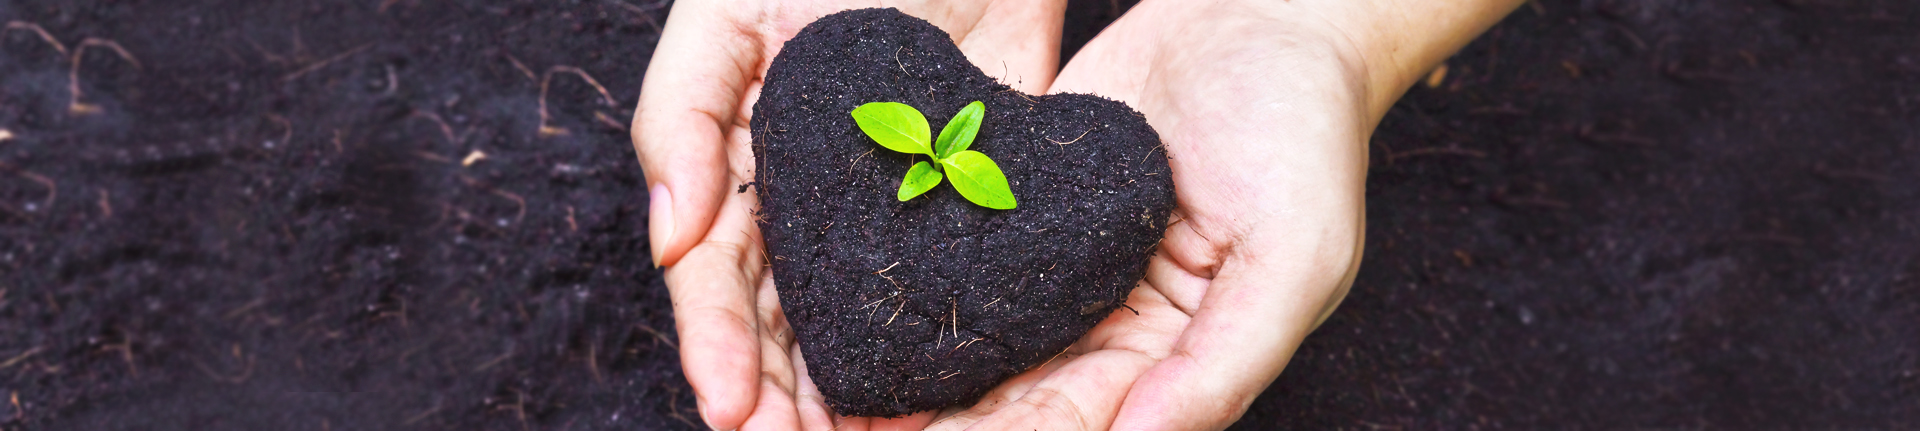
903, 66
495, 361
244, 308
887, 268
323, 63
126, 354
520, 407
393, 82
608, 120
593, 364
446, 130
877, 302
35, 28
1043, 365
896, 312
246, 370
673, 406
856, 159
644, 11
657, 335
1437, 76
522, 214
286, 127
106, 204
522, 67
53, 191
1021, 95
16, 359
431, 157
422, 416
995, 301
571, 225
547, 81
73, 73
1075, 139
271, 57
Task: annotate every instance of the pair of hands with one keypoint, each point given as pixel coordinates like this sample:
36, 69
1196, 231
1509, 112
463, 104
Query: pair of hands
1265, 109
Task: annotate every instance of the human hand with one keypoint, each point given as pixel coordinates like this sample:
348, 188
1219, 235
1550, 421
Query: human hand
690, 130
1266, 109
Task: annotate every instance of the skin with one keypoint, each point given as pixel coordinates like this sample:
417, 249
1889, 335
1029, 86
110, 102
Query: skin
1266, 108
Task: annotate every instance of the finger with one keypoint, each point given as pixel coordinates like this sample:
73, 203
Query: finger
1000, 396
1015, 41
812, 405
775, 410
1085, 394
778, 407
1149, 325
688, 107
856, 423
1171, 280
1114, 64
913, 422
715, 314
1255, 314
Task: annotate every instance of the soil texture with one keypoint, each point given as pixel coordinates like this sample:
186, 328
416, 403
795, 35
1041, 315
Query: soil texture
1606, 214
901, 307
1625, 214
327, 216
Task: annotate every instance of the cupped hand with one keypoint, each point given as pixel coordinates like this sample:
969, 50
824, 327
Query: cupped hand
1265, 113
690, 130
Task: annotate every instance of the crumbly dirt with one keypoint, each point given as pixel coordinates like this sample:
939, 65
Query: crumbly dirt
328, 215
910, 306
1609, 214
1623, 214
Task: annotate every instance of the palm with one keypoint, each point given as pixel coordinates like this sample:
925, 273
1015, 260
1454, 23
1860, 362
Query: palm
691, 133
1267, 149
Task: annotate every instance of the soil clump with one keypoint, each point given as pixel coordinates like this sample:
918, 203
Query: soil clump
910, 306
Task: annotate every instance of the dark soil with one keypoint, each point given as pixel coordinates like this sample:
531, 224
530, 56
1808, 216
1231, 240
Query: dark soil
909, 306
270, 221
1610, 214
1620, 214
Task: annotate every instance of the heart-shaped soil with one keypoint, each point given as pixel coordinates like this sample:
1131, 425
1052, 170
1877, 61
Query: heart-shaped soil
910, 306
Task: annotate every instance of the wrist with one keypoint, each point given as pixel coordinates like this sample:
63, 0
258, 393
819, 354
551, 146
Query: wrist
1388, 44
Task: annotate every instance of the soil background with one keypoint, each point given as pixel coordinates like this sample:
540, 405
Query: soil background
355, 215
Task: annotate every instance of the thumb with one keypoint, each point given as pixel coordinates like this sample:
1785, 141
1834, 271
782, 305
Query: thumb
689, 103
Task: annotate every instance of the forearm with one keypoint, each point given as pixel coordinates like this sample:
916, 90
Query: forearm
1399, 41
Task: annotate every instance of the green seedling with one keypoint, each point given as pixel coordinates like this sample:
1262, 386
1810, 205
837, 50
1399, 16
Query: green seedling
899, 127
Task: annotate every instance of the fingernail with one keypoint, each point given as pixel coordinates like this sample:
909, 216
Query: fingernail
702, 406
659, 220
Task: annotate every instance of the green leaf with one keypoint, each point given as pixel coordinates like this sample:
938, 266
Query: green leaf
920, 179
896, 126
979, 179
959, 133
